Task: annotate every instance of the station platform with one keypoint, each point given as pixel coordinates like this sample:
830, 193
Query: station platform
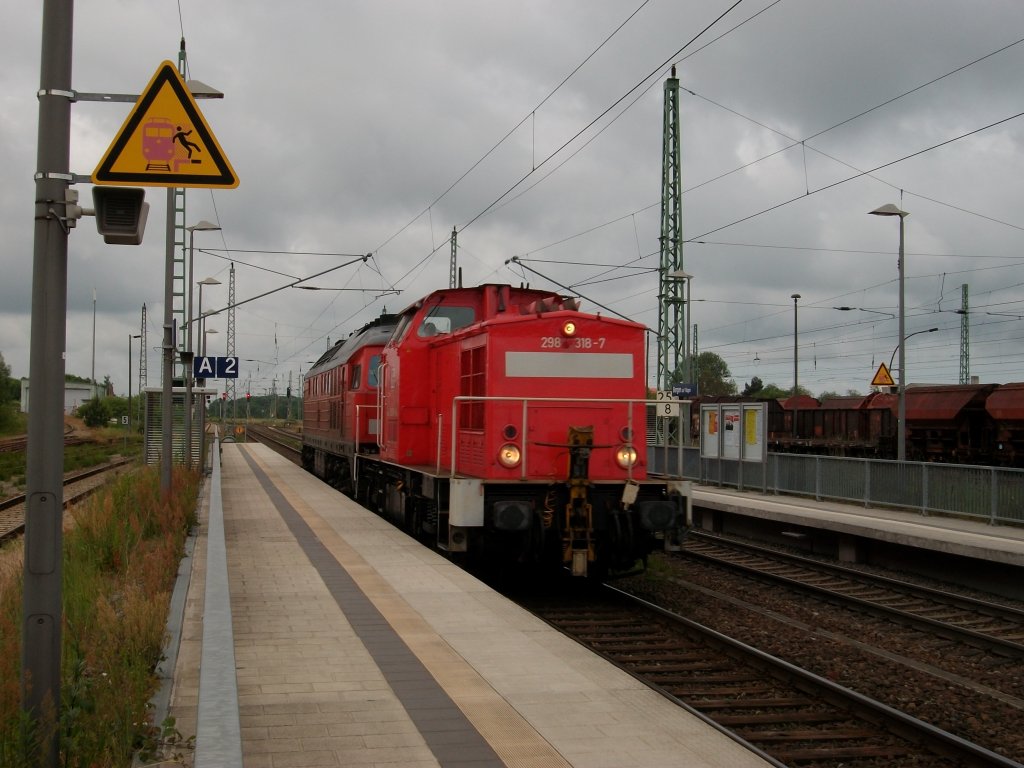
975, 539
317, 634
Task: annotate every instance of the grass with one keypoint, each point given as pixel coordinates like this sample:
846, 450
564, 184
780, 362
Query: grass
120, 562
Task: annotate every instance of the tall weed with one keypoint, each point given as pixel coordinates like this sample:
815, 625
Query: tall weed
121, 558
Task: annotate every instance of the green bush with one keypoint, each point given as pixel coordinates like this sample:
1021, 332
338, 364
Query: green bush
12, 420
94, 413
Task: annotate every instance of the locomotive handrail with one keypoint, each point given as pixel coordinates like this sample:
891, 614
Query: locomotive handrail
526, 401
381, 383
440, 434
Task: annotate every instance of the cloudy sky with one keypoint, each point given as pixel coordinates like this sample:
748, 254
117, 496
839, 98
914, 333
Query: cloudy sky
535, 128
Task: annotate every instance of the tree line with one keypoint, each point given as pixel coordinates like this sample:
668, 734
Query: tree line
714, 378
10, 395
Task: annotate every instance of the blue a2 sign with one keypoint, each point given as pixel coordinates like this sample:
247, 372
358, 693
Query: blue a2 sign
214, 367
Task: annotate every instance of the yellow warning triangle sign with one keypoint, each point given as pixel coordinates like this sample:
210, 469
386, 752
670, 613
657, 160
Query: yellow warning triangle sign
882, 377
165, 141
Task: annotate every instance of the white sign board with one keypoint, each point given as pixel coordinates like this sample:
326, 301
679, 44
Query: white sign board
667, 405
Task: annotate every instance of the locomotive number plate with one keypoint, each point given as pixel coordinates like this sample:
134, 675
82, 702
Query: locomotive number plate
576, 342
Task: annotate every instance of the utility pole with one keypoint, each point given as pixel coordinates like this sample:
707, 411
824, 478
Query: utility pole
44, 507
93, 374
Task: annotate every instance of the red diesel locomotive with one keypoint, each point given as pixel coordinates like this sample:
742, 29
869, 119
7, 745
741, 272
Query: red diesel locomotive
502, 423
340, 404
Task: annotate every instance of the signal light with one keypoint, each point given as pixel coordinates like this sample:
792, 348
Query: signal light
569, 328
223, 395
120, 214
248, 396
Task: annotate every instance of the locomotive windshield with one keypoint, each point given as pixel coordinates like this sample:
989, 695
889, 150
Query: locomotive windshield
445, 318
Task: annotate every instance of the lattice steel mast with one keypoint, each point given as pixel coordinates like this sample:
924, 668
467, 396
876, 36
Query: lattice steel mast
143, 352
671, 309
180, 278
965, 338
232, 394
453, 261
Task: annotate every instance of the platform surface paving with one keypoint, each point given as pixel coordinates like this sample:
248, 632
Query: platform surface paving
355, 645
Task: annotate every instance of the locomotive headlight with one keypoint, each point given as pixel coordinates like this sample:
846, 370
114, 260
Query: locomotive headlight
509, 455
625, 456
569, 329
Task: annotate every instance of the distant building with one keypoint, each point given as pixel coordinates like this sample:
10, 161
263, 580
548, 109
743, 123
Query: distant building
75, 393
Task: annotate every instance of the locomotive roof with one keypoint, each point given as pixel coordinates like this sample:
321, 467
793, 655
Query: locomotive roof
523, 300
376, 332
476, 289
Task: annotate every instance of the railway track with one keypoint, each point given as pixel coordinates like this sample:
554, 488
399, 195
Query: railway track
989, 626
791, 715
77, 487
20, 443
288, 444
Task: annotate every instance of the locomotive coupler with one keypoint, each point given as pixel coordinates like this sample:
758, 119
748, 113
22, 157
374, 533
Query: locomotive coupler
578, 541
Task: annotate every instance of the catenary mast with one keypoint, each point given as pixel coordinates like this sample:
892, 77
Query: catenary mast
670, 336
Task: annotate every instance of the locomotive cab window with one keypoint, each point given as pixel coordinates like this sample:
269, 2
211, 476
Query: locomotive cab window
445, 319
371, 379
357, 376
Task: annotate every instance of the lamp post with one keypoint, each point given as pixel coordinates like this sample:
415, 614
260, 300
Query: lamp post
201, 226
93, 374
902, 441
201, 283
202, 342
207, 332
864, 309
796, 361
186, 356
901, 418
909, 336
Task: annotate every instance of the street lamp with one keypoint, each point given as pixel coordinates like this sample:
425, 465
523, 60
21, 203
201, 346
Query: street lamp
186, 356
199, 317
909, 336
796, 358
864, 309
207, 332
202, 226
901, 419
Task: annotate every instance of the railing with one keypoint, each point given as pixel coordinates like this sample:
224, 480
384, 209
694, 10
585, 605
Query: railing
994, 494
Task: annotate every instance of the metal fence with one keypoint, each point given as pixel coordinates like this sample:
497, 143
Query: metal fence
994, 494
